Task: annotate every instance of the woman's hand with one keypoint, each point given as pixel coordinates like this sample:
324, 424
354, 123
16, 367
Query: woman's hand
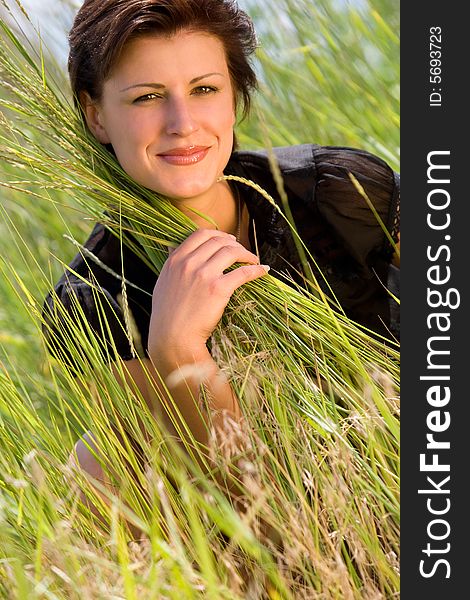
192, 291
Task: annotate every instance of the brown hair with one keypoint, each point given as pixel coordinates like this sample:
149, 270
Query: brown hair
103, 27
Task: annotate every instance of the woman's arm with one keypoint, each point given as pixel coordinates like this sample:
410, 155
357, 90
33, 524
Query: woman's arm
86, 454
189, 298
183, 375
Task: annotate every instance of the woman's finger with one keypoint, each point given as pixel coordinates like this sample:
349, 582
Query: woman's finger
238, 277
228, 255
201, 236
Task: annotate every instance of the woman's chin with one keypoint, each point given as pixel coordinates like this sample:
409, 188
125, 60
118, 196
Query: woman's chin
183, 193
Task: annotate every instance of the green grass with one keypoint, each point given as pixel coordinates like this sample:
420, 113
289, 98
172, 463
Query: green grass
316, 464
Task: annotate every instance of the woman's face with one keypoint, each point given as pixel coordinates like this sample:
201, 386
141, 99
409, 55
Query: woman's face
168, 111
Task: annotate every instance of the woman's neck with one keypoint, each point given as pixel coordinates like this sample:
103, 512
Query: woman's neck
221, 208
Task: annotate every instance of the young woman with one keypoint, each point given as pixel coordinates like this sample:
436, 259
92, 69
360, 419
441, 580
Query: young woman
160, 83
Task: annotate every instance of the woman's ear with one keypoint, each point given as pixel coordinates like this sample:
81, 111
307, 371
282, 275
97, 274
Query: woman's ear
92, 112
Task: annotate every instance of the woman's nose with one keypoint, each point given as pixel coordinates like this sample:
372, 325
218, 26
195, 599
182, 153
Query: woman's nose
180, 120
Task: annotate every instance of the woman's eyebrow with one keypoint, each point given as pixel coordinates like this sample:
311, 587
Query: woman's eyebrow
158, 86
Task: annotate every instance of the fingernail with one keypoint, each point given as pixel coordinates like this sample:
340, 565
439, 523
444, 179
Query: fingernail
265, 267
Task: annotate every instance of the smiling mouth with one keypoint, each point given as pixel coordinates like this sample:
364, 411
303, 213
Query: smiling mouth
189, 155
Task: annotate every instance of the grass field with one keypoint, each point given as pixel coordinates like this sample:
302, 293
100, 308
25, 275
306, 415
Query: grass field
317, 470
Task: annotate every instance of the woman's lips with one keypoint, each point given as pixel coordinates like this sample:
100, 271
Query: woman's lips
184, 156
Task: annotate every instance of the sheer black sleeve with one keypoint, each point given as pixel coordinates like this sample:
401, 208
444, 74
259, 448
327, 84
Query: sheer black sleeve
89, 295
359, 229
347, 211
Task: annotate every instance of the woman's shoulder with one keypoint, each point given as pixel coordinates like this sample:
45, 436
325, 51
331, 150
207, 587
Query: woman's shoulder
312, 158
104, 261
98, 255
91, 287
289, 158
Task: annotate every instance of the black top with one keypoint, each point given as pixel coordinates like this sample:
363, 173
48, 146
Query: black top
333, 219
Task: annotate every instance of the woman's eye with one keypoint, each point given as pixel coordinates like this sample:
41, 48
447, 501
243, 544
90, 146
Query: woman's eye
202, 90
146, 98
